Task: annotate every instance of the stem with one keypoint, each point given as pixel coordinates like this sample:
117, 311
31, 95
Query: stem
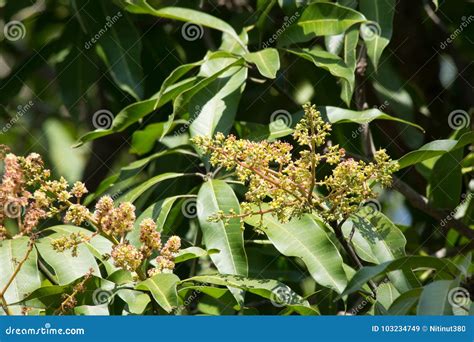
313, 162
269, 180
349, 248
5, 306
254, 213
361, 102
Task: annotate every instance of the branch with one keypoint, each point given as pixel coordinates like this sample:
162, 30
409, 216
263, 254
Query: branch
351, 252
421, 202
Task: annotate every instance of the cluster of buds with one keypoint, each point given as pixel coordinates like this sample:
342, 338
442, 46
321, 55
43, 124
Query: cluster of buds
114, 221
291, 186
70, 242
29, 195
131, 258
151, 240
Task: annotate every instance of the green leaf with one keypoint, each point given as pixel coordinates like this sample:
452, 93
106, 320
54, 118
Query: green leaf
214, 292
137, 166
204, 99
75, 74
28, 279
405, 302
378, 32
67, 162
181, 92
267, 288
133, 194
213, 196
137, 301
214, 106
341, 115
434, 149
351, 39
334, 115
144, 140
386, 294
137, 110
377, 240
434, 300
92, 310
330, 62
182, 14
192, 253
267, 61
325, 18
119, 44
406, 263
445, 182
306, 239
66, 267
47, 296
98, 245
163, 289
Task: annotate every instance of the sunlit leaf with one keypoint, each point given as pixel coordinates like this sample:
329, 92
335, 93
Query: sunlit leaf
163, 289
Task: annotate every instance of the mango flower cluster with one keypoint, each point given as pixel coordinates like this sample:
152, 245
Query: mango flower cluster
28, 195
114, 223
292, 187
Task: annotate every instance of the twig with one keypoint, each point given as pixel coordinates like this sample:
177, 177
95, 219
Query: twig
421, 202
350, 251
361, 102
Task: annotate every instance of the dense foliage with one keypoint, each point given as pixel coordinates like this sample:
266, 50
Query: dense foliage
164, 157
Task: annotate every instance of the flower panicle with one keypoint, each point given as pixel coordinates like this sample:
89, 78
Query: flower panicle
291, 187
31, 195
